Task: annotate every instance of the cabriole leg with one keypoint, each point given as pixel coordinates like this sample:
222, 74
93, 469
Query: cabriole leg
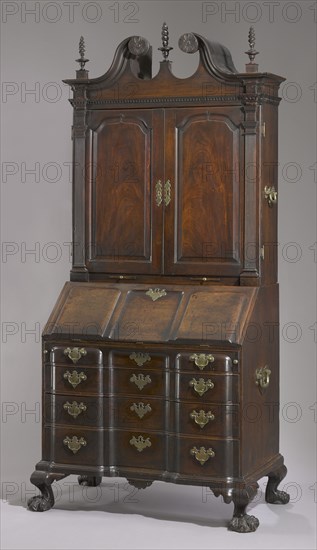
272, 494
45, 501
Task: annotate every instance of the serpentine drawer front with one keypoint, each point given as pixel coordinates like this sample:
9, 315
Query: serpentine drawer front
158, 361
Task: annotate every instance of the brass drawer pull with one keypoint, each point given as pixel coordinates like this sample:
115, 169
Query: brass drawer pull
140, 409
202, 418
262, 378
75, 353
201, 386
270, 194
201, 359
74, 408
140, 358
202, 455
74, 444
75, 378
140, 380
140, 443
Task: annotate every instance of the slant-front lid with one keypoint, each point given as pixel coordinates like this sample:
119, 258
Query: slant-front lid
137, 313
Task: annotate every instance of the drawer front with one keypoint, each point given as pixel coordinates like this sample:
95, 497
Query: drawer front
206, 361
138, 360
207, 420
212, 388
69, 445
206, 457
140, 413
140, 449
139, 382
76, 410
77, 355
76, 380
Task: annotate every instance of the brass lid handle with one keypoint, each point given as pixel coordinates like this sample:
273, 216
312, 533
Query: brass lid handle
74, 444
75, 378
202, 418
74, 409
202, 455
270, 194
75, 353
201, 386
201, 359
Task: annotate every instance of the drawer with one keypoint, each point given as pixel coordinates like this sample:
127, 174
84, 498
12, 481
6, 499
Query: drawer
212, 388
140, 382
69, 445
140, 449
207, 457
207, 361
76, 380
141, 413
76, 410
136, 359
207, 420
71, 355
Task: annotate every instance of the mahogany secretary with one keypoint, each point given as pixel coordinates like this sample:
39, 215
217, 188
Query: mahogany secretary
166, 336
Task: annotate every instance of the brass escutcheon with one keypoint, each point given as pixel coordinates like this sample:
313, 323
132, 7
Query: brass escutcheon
140, 380
202, 455
201, 386
74, 444
75, 378
167, 192
140, 358
202, 418
141, 409
158, 193
140, 443
201, 359
74, 409
75, 353
156, 293
262, 378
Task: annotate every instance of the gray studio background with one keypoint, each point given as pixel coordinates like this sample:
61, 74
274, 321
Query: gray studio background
38, 49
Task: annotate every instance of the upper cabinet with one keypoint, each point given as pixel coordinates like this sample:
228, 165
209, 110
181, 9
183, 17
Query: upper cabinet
175, 179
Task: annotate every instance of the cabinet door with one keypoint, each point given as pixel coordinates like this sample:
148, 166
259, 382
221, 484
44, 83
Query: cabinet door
125, 160
203, 218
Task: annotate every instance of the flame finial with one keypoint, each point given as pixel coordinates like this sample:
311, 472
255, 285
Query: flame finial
82, 60
251, 66
165, 49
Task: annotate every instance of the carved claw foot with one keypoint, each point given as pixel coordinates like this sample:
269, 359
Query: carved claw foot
244, 524
40, 504
89, 481
272, 494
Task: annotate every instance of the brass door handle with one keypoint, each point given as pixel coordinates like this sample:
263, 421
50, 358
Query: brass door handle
74, 444
201, 386
201, 360
202, 418
202, 455
75, 378
74, 409
75, 353
270, 194
262, 378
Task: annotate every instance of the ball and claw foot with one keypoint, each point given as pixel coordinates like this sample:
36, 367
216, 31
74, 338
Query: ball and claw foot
243, 524
39, 504
272, 493
277, 497
89, 481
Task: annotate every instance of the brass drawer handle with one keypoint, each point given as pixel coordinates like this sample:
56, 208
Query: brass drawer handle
140, 443
140, 358
262, 378
74, 409
75, 353
202, 418
140, 409
201, 359
140, 380
75, 378
270, 194
74, 444
158, 193
202, 455
201, 386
